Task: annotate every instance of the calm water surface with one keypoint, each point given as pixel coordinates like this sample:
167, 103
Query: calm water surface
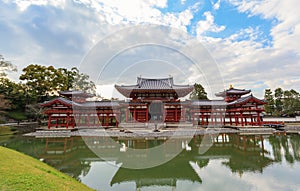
233, 162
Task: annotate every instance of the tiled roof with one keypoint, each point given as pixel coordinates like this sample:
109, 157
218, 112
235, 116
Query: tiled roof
165, 83
232, 91
60, 100
85, 104
155, 85
246, 99
241, 100
69, 93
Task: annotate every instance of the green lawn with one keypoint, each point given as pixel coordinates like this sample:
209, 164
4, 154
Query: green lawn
21, 172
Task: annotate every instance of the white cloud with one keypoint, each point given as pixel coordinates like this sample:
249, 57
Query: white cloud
66, 30
24, 4
208, 25
117, 12
62, 33
286, 13
246, 61
216, 6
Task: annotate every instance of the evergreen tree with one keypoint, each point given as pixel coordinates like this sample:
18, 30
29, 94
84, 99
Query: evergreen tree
269, 107
278, 101
290, 102
198, 93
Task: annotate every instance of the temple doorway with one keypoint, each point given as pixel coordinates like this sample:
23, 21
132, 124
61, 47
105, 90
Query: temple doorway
155, 111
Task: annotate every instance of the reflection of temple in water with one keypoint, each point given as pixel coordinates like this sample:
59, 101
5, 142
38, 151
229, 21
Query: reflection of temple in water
65, 154
240, 154
244, 153
164, 175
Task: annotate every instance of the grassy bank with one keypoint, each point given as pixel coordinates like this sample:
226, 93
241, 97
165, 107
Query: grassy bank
21, 172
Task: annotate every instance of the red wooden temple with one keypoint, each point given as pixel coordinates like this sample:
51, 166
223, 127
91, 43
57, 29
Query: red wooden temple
232, 110
152, 101
72, 109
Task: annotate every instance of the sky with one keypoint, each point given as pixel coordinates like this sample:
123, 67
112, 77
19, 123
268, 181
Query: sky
253, 44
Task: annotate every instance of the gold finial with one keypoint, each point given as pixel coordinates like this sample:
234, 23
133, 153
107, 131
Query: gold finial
230, 86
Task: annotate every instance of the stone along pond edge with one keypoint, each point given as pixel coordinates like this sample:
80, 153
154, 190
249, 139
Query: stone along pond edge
162, 132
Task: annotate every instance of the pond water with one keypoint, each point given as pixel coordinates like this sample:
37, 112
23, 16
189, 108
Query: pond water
232, 162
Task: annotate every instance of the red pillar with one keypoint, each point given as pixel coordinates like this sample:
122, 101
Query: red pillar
147, 113
126, 115
106, 119
49, 121
165, 111
236, 119
241, 116
258, 118
134, 113
67, 121
206, 119
117, 120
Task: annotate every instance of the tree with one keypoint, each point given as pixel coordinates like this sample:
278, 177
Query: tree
296, 97
269, 107
290, 102
6, 66
15, 93
198, 93
286, 102
4, 104
278, 101
42, 80
81, 82
295, 94
76, 80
